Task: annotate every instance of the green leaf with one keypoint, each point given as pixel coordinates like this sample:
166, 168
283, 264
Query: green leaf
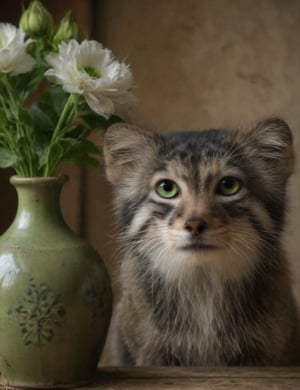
68, 144
50, 156
114, 119
93, 121
88, 147
27, 82
77, 132
25, 118
81, 152
7, 158
53, 100
22, 143
43, 123
80, 160
96, 122
3, 119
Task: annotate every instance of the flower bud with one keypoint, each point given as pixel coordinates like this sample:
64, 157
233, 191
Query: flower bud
36, 21
67, 29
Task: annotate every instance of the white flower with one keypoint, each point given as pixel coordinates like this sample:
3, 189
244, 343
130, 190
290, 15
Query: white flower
13, 56
87, 68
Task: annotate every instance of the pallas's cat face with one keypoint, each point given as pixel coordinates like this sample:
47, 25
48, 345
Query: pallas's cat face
211, 199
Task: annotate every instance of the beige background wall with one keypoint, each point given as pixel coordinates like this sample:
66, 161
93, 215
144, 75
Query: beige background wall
200, 64
197, 64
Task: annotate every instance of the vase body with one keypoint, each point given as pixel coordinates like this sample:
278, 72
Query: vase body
55, 295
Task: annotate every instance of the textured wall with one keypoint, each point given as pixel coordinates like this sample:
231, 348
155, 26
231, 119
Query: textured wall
200, 64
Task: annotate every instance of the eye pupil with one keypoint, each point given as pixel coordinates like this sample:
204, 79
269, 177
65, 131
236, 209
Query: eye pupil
167, 186
228, 183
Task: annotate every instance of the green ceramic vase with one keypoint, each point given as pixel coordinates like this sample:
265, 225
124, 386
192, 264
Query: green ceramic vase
55, 295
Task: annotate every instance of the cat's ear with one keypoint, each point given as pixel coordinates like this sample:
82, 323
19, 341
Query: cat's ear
270, 144
126, 149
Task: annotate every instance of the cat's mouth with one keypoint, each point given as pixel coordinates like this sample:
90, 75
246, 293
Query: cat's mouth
198, 246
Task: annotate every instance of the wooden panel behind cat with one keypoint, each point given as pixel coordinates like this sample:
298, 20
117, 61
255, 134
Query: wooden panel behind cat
204, 277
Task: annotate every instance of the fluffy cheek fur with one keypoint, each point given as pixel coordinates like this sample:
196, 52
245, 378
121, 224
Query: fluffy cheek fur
236, 245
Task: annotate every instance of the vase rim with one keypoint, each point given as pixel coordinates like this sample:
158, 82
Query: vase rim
38, 179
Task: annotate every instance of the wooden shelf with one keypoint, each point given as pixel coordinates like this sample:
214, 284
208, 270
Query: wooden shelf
279, 378
181, 378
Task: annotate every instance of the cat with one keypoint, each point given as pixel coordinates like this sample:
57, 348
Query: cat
204, 277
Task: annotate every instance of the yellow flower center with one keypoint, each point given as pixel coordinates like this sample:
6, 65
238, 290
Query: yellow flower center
92, 72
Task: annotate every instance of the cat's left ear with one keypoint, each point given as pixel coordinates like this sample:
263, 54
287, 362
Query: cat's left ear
127, 150
270, 144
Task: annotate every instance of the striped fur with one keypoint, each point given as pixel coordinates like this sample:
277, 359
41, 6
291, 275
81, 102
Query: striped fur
219, 297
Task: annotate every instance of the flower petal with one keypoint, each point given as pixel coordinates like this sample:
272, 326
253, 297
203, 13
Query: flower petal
13, 56
100, 104
104, 94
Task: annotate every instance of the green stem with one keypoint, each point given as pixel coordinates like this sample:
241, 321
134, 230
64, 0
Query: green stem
10, 94
65, 118
11, 106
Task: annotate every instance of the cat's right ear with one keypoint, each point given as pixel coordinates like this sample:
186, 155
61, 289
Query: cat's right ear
126, 149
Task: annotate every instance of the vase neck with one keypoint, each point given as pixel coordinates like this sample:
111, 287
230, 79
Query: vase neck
38, 201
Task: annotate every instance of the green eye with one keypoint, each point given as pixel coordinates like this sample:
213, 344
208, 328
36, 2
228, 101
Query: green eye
167, 189
229, 186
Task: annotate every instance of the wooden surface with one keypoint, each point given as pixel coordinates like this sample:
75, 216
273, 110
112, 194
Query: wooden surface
197, 378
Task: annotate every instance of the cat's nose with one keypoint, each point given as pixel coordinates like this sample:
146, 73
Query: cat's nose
195, 225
